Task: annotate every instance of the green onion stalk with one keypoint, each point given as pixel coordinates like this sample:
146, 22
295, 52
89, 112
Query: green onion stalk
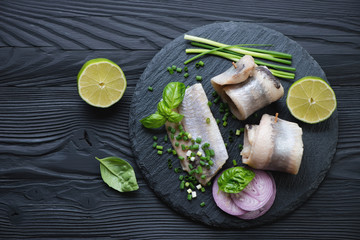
236, 52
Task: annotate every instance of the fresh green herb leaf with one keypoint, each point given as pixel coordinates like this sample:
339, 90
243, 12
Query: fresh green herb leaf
118, 174
173, 94
163, 109
234, 180
155, 120
175, 117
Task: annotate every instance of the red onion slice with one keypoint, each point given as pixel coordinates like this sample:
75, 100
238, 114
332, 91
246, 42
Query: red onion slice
261, 211
224, 201
256, 194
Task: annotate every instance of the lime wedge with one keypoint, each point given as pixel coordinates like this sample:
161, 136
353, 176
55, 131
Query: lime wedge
101, 82
311, 99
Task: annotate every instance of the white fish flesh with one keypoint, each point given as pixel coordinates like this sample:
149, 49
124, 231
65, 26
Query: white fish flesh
273, 145
254, 89
199, 122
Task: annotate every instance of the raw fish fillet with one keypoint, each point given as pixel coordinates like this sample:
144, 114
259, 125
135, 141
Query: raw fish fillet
273, 145
196, 111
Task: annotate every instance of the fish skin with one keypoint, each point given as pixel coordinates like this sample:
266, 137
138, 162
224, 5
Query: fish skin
276, 146
196, 110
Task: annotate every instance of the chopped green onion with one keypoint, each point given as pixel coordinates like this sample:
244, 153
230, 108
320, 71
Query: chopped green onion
240, 146
206, 145
182, 184
187, 184
217, 121
154, 145
174, 152
203, 176
200, 170
169, 150
202, 204
185, 69
189, 197
202, 163
234, 162
158, 147
150, 89
181, 158
191, 166
198, 78
159, 152
165, 138
212, 153
208, 120
211, 163
210, 103
179, 70
155, 138
170, 70
237, 132
173, 67
198, 140
195, 147
186, 75
181, 177
225, 124
177, 144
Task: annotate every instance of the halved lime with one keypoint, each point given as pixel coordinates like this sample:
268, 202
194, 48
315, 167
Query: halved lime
311, 99
101, 82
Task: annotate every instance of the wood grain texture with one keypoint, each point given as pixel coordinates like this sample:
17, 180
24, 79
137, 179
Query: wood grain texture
50, 185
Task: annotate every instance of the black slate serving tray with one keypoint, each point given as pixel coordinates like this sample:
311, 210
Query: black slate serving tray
320, 140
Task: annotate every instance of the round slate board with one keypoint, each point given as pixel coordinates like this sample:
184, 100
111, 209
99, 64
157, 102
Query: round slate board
319, 140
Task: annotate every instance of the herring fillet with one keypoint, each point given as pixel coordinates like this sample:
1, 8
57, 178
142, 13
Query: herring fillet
271, 145
247, 88
195, 109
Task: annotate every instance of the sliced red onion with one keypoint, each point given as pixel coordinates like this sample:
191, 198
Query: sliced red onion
224, 201
261, 211
256, 194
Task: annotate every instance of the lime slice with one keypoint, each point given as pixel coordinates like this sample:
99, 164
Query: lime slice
311, 99
101, 82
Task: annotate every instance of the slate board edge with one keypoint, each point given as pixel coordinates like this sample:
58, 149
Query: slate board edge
249, 224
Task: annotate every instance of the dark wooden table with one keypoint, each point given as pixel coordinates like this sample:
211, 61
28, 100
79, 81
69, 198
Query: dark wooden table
50, 185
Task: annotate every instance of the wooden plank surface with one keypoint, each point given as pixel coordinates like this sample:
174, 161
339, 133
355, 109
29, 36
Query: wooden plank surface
50, 185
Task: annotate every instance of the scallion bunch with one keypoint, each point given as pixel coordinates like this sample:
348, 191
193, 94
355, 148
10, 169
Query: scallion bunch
236, 52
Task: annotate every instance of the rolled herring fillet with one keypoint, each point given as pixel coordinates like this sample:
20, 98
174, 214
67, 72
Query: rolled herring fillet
196, 111
271, 145
255, 87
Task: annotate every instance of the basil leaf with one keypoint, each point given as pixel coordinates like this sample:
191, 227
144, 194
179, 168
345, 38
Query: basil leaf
175, 117
118, 174
155, 120
163, 109
234, 180
173, 94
